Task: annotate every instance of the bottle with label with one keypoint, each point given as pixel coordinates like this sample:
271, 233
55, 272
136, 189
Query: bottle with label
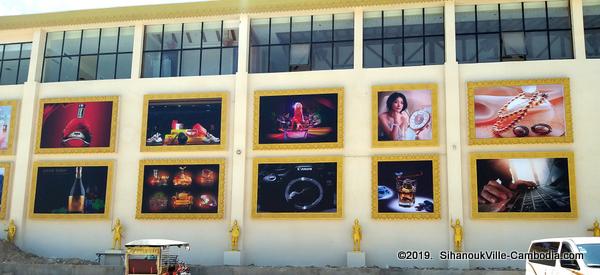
76, 202
77, 132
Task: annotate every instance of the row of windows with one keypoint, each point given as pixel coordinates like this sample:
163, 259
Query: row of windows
513, 31
591, 24
403, 37
302, 43
209, 48
410, 37
88, 54
14, 63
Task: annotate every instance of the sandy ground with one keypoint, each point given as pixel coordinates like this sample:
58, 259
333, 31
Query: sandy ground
9, 253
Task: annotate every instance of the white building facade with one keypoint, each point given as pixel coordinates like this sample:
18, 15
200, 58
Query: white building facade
301, 241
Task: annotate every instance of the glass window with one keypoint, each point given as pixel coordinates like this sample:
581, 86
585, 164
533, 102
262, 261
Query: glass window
87, 67
280, 30
511, 16
229, 60
191, 49
14, 63
514, 31
108, 40
10, 69
409, 37
322, 28
279, 57
190, 62
90, 41
321, 56
106, 66
372, 25
392, 24
172, 37
372, 54
84, 54
465, 19
591, 24
302, 43
413, 22
301, 29
210, 62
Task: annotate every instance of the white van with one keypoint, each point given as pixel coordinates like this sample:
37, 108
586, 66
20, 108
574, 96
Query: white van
589, 264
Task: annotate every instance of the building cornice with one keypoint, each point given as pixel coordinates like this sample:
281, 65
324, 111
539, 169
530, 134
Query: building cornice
182, 10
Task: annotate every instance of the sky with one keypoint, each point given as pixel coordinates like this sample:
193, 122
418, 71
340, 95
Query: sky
19, 7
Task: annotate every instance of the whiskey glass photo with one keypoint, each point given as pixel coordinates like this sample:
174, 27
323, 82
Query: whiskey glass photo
406, 187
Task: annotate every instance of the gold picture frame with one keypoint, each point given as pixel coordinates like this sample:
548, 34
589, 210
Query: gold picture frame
222, 96
426, 112
304, 169
523, 176
108, 164
11, 128
219, 214
508, 104
420, 208
7, 166
66, 150
277, 140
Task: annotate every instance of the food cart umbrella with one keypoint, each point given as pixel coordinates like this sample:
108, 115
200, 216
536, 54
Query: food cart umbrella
158, 243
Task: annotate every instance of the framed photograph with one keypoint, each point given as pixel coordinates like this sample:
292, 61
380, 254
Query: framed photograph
520, 111
5, 169
184, 122
406, 187
523, 185
8, 114
404, 115
71, 190
77, 125
181, 189
298, 119
297, 188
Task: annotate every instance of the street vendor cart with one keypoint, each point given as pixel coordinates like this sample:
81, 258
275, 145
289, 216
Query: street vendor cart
152, 256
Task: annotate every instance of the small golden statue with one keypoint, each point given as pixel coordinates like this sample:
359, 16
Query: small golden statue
11, 231
356, 236
458, 235
595, 229
235, 235
118, 230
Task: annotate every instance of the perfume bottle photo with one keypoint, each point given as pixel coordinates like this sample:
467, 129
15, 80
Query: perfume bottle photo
76, 199
77, 132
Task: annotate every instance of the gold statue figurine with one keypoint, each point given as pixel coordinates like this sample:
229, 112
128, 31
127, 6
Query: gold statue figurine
356, 236
117, 231
235, 235
11, 231
458, 235
595, 229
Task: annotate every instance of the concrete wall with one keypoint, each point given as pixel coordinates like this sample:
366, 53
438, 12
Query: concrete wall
305, 242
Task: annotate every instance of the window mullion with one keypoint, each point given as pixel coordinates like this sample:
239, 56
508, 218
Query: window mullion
548, 32
79, 54
98, 52
201, 48
162, 38
62, 48
117, 53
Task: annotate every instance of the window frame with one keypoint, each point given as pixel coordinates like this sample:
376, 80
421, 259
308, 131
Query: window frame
19, 59
311, 44
424, 37
501, 57
98, 54
180, 49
